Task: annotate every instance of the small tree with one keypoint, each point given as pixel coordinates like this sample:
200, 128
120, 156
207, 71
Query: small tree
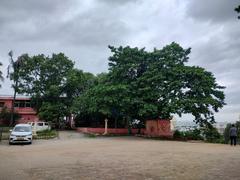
14, 76
5, 115
211, 134
226, 133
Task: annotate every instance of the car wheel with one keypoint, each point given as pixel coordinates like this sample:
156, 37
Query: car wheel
9, 143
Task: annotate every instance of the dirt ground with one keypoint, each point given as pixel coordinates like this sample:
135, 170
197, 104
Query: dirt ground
73, 156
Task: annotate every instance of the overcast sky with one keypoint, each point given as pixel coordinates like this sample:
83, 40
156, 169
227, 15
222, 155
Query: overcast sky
82, 29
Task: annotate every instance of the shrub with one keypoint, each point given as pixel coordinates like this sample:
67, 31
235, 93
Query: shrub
46, 134
193, 134
227, 129
177, 134
226, 133
211, 134
188, 135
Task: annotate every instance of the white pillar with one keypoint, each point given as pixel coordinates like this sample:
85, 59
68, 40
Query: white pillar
35, 128
106, 126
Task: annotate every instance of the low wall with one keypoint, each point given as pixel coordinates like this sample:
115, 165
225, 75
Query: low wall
120, 131
154, 128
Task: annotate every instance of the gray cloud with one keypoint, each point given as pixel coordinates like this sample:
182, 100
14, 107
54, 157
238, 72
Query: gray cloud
213, 10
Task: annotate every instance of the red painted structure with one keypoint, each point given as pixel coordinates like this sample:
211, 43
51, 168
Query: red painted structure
154, 128
22, 107
119, 131
158, 128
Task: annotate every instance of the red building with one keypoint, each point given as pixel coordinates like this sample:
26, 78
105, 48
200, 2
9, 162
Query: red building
22, 106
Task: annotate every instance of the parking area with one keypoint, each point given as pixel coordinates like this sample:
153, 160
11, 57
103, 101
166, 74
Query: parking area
74, 156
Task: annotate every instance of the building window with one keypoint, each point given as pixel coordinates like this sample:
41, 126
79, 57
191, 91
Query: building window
16, 104
27, 104
23, 104
1, 104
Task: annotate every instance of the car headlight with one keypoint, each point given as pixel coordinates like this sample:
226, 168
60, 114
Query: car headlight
29, 134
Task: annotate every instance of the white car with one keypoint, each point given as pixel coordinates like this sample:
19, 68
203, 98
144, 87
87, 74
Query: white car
40, 126
21, 133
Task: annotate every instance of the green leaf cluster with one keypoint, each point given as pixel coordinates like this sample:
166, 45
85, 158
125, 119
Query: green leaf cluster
157, 84
139, 85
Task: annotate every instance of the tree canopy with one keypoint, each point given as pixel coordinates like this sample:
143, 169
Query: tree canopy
140, 84
52, 82
157, 84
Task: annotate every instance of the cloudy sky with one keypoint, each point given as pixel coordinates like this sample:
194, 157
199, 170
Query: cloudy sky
83, 29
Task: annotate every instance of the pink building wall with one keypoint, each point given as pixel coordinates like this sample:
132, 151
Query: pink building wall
27, 114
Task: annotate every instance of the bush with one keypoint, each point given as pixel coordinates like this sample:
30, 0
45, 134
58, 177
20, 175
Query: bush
227, 129
226, 133
178, 134
46, 134
5, 115
188, 135
194, 134
211, 134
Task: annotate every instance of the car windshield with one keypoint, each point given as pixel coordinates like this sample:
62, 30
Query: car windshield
22, 129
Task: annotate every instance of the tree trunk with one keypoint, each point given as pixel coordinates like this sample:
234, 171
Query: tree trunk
115, 122
12, 120
128, 125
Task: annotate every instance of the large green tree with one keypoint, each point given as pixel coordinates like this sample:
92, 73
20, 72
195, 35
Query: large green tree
158, 84
44, 78
77, 83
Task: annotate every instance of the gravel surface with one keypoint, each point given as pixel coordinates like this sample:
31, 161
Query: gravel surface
74, 156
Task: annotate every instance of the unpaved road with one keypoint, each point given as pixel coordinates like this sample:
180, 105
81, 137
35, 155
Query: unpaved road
73, 156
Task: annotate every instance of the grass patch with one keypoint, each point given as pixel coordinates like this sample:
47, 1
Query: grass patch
90, 135
5, 136
5, 128
46, 134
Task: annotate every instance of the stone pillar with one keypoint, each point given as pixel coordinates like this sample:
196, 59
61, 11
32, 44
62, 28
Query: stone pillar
106, 126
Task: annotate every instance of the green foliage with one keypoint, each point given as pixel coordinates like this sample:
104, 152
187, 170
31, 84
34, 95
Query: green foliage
46, 134
91, 135
52, 112
237, 9
194, 134
227, 132
5, 115
178, 134
159, 84
238, 128
139, 85
45, 79
42, 76
211, 134
188, 135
